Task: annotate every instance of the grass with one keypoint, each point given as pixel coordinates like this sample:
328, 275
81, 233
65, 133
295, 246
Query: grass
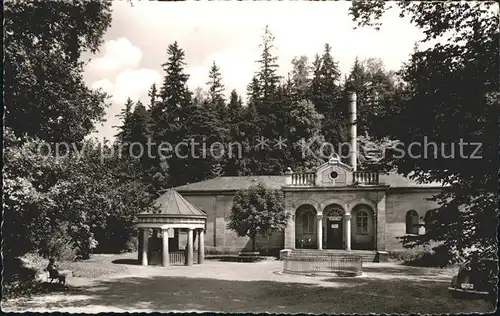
97, 266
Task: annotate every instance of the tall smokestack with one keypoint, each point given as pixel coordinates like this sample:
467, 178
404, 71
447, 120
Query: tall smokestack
353, 154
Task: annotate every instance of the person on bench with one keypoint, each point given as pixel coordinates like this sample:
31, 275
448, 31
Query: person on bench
53, 271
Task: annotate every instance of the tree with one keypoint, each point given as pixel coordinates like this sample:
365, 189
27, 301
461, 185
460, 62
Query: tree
44, 82
300, 80
56, 203
267, 77
257, 211
327, 97
172, 114
174, 93
375, 88
153, 96
235, 118
125, 117
450, 95
216, 92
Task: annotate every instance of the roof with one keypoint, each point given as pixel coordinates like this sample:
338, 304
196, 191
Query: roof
236, 183
233, 183
172, 204
396, 180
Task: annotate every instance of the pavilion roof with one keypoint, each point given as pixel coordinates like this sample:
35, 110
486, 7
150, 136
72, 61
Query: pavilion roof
172, 204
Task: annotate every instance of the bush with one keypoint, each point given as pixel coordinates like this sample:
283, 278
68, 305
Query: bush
424, 258
18, 279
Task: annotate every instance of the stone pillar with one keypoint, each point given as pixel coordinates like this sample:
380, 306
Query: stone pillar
165, 255
319, 231
201, 246
145, 240
347, 231
380, 228
176, 239
139, 245
290, 233
189, 255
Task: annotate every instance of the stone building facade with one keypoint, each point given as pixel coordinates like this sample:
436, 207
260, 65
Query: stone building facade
332, 208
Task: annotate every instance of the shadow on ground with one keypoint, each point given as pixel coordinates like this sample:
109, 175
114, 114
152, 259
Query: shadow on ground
126, 261
163, 293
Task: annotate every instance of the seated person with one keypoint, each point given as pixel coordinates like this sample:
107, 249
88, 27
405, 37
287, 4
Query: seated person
54, 273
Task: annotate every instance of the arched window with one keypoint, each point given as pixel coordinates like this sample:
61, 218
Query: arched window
333, 210
362, 223
308, 221
412, 224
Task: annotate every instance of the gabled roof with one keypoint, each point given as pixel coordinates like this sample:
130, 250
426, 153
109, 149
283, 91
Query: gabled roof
236, 183
172, 204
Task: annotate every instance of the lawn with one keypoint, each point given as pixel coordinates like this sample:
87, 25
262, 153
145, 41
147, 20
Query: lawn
251, 287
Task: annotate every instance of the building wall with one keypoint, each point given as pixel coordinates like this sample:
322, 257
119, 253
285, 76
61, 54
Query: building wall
397, 204
386, 222
219, 238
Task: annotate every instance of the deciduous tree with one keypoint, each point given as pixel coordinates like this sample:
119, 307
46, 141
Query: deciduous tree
257, 211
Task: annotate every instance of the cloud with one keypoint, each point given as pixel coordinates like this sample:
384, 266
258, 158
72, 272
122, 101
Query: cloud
133, 84
118, 54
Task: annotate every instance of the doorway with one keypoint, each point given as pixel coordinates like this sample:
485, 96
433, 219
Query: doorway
334, 232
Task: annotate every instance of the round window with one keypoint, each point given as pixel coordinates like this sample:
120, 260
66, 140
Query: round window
334, 174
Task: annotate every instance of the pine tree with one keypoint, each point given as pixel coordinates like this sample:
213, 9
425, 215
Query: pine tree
174, 93
267, 76
153, 96
215, 85
235, 107
235, 114
216, 93
125, 117
171, 115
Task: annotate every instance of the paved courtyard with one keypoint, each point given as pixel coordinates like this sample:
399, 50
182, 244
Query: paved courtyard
251, 287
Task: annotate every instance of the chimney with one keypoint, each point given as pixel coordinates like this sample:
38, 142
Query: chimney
353, 133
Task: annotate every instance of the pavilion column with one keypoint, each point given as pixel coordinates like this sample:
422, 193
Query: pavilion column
347, 231
145, 239
176, 239
165, 255
139, 245
201, 246
189, 261
319, 236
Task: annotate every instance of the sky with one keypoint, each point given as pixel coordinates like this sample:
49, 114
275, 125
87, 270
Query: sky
229, 33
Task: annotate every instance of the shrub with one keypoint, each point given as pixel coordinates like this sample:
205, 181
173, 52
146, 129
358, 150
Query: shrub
18, 279
437, 257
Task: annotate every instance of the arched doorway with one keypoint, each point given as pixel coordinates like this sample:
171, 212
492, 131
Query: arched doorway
305, 227
333, 227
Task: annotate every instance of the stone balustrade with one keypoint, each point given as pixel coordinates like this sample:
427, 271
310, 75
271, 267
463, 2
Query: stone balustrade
365, 177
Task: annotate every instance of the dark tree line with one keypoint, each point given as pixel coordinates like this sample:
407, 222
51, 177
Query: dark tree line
308, 105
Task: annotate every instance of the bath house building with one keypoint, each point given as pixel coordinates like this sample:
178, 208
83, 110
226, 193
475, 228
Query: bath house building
333, 208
